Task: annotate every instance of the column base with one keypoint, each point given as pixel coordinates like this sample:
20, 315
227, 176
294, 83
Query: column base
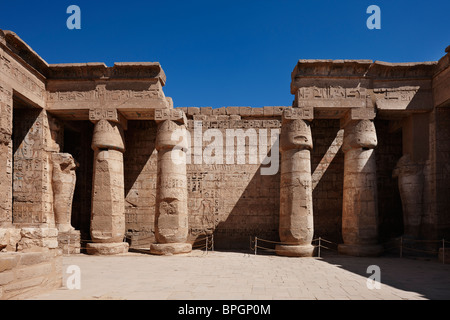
369, 250
168, 249
295, 251
107, 249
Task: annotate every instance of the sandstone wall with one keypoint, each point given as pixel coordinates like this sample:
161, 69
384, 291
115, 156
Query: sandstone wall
140, 164
388, 152
235, 201
6, 147
23, 275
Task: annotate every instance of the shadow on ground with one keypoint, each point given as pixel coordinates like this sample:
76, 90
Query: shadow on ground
430, 278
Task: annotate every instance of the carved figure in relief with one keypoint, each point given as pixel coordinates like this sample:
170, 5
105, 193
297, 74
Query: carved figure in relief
411, 184
206, 210
63, 182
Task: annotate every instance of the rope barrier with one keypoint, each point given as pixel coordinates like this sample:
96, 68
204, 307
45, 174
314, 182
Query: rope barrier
254, 245
418, 250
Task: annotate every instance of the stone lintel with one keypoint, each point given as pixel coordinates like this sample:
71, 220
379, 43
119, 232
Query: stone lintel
298, 114
402, 96
357, 115
95, 115
246, 112
317, 70
175, 115
23, 51
92, 71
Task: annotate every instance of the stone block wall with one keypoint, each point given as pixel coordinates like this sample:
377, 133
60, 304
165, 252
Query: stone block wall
387, 153
34, 141
140, 165
327, 164
77, 141
442, 178
6, 147
23, 275
235, 201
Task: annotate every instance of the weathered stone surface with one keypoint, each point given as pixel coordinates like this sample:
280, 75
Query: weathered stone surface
69, 242
168, 249
107, 249
173, 204
411, 184
296, 212
23, 275
108, 205
9, 237
37, 238
360, 203
171, 220
63, 183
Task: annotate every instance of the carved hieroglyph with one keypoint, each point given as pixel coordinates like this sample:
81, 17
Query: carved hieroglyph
5, 157
171, 220
360, 208
296, 206
63, 183
411, 184
108, 204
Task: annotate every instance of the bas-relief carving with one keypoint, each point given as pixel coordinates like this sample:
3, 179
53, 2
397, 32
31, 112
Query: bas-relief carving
411, 181
398, 94
30, 173
12, 70
404, 98
310, 93
103, 94
234, 124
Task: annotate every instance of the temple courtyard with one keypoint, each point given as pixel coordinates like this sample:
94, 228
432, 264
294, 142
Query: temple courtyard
243, 276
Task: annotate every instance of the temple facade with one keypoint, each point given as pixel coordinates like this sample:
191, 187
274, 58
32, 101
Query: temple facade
97, 159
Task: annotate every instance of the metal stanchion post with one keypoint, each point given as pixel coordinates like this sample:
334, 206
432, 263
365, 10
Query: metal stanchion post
206, 243
319, 245
401, 247
256, 244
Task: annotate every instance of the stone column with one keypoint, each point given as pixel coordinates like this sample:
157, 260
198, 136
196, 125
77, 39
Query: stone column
108, 195
360, 207
296, 206
171, 214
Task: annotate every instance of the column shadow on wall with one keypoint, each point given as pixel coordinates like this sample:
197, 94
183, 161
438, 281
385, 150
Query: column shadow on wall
77, 142
140, 170
256, 213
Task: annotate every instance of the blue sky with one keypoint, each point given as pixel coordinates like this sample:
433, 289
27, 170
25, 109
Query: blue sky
230, 53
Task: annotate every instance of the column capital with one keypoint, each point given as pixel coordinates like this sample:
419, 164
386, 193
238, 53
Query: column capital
108, 135
295, 134
171, 134
359, 134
